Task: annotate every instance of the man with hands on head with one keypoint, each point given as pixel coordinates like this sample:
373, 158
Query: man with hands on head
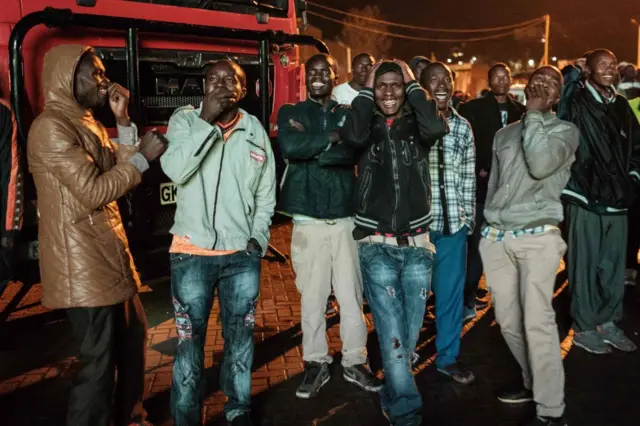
317, 192
221, 160
85, 262
393, 125
521, 244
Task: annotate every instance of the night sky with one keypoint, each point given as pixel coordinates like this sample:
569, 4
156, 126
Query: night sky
576, 25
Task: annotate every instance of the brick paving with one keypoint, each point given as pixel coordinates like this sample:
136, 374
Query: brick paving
37, 362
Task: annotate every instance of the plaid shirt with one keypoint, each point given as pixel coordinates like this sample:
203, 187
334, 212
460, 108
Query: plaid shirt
453, 181
495, 234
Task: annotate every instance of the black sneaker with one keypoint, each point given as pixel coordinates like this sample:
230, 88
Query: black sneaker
316, 375
361, 376
515, 395
458, 373
546, 421
242, 420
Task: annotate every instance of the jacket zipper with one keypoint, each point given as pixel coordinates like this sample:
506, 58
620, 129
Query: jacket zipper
396, 179
215, 200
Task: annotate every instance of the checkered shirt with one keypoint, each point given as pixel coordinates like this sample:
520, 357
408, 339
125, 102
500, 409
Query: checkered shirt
459, 182
495, 234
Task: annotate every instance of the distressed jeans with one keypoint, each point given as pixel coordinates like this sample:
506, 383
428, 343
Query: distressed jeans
194, 280
396, 284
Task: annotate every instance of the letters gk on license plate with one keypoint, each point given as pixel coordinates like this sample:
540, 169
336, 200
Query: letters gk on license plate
168, 193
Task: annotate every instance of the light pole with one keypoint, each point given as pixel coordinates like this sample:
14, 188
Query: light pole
547, 27
634, 22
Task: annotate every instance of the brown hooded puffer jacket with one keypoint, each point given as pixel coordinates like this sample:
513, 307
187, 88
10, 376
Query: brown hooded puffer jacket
79, 174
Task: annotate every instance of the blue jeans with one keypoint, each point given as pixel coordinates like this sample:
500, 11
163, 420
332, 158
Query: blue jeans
194, 280
448, 285
396, 283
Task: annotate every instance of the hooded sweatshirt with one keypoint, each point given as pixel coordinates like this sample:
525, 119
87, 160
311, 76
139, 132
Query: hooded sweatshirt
79, 173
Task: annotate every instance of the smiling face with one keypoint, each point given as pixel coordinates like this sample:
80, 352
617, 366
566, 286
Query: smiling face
602, 67
90, 84
320, 77
438, 81
361, 67
389, 92
500, 81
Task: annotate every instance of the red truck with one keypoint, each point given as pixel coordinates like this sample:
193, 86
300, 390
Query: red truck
157, 49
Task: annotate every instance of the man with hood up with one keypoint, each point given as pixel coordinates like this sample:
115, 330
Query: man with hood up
85, 262
393, 125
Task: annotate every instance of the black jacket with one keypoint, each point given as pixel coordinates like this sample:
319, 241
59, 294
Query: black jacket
319, 180
607, 167
393, 187
484, 116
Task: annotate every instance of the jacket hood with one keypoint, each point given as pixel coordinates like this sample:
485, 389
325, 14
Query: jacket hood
58, 76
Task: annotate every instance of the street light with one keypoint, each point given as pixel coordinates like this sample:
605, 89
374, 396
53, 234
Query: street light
634, 22
449, 60
554, 59
531, 62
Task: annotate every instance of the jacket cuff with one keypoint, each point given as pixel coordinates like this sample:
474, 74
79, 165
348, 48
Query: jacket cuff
367, 93
412, 86
127, 135
139, 162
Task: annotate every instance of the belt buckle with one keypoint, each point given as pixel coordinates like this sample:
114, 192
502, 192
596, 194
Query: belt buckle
403, 241
330, 222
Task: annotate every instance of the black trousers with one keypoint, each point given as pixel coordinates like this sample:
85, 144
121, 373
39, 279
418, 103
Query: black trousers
596, 259
111, 338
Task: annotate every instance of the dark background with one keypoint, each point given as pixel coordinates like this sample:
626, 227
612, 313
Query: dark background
576, 25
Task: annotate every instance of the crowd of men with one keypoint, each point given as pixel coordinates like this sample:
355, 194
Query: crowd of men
394, 195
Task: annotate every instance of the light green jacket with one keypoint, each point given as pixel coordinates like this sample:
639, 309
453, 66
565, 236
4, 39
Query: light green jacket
226, 190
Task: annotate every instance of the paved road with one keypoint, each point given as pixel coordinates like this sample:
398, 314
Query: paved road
37, 362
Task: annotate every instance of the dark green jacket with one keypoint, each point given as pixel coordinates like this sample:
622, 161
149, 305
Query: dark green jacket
319, 179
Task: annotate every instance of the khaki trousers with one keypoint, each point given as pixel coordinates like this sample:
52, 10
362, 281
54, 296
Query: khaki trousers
324, 254
520, 275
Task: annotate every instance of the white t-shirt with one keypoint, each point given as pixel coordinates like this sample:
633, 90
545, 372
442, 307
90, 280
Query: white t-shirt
344, 94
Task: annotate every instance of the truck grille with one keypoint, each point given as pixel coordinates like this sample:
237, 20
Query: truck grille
163, 221
171, 101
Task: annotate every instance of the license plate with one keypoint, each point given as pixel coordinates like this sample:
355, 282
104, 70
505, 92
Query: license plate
168, 193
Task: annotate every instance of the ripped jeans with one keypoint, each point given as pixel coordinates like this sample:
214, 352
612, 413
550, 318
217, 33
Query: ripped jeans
194, 280
396, 284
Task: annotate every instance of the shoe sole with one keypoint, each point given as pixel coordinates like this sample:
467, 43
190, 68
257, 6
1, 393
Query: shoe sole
612, 344
591, 351
515, 401
445, 373
313, 394
361, 386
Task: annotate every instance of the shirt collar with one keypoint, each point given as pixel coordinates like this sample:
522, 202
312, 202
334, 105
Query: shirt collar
598, 96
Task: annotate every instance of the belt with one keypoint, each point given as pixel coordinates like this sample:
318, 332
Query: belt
322, 221
421, 240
